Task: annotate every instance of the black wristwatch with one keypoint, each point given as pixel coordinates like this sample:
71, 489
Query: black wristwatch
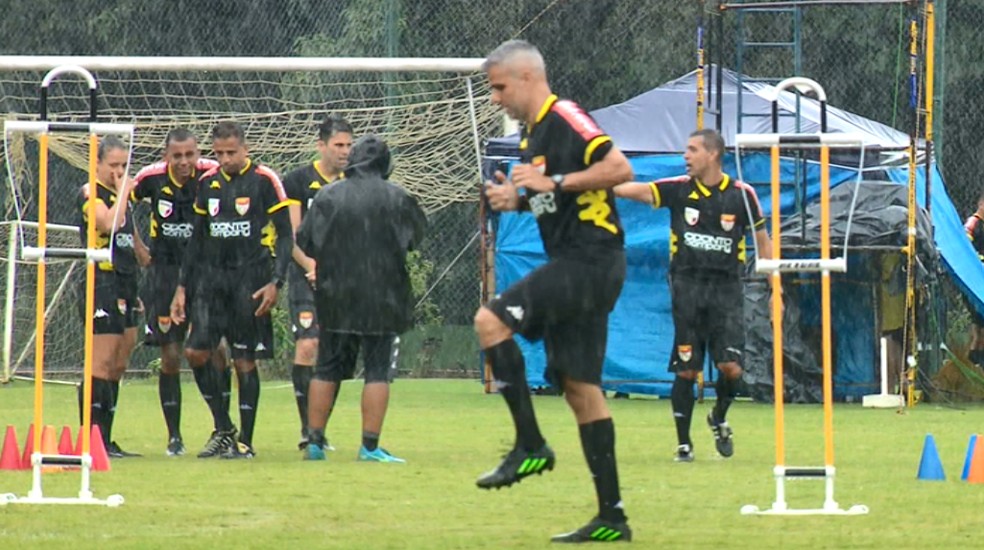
558, 180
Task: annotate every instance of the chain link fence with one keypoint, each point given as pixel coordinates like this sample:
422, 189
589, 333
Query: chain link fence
598, 52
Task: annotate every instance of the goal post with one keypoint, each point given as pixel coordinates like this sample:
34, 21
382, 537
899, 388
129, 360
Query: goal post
431, 111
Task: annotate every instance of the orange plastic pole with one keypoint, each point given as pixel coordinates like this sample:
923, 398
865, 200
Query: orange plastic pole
828, 397
778, 381
39, 296
90, 301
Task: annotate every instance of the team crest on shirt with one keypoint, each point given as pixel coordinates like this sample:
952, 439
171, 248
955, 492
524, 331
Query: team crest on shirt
540, 163
305, 318
164, 323
121, 305
727, 222
242, 205
685, 353
691, 215
165, 208
213, 207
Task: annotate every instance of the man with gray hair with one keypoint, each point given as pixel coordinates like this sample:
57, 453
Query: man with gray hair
568, 167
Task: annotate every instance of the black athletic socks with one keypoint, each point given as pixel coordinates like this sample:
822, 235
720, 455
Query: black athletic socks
169, 388
224, 386
598, 443
725, 389
682, 399
102, 401
370, 441
509, 370
249, 399
300, 375
208, 381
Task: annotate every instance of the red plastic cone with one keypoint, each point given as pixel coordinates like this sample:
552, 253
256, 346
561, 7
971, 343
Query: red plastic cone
10, 456
976, 474
65, 441
28, 448
100, 458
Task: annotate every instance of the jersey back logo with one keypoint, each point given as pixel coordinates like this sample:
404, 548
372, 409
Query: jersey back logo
213, 207
242, 205
691, 215
165, 208
727, 222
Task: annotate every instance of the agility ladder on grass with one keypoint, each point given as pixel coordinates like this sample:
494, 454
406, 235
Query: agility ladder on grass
39, 253
824, 265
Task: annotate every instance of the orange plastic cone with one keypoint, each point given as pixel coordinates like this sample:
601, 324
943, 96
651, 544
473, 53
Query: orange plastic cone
28, 448
10, 456
976, 474
100, 458
49, 447
65, 441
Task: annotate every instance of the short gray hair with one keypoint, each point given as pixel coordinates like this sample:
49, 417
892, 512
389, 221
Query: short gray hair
512, 49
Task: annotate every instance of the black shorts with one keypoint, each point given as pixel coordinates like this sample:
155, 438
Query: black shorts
160, 284
224, 307
707, 314
303, 316
566, 303
339, 351
115, 302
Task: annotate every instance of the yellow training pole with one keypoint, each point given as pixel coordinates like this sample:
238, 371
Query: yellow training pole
828, 391
779, 380
90, 298
40, 298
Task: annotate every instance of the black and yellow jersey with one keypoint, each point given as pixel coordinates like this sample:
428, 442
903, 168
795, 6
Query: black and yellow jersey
238, 210
975, 232
579, 225
172, 208
124, 260
303, 183
708, 224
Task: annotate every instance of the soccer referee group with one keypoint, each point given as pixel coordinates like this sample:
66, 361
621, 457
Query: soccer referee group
227, 234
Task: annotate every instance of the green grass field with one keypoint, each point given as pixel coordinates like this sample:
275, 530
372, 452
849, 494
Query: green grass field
450, 432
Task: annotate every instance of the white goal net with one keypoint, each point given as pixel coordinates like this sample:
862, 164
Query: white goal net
433, 115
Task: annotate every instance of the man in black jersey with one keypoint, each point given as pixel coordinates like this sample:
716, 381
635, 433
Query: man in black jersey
243, 236
116, 304
301, 185
170, 187
710, 214
567, 168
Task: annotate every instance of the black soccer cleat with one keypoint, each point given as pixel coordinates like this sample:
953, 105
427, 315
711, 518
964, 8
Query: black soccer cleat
175, 446
722, 436
516, 465
114, 451
684, 453
218, 443
597, 530
238, 450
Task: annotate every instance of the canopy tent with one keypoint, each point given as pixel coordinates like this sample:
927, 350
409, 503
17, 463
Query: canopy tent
653, 128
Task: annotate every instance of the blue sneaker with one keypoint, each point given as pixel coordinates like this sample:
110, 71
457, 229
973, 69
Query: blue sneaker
314, 452
379, 455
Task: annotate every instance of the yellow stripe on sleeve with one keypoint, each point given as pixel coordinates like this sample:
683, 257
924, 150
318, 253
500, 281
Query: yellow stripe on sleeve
657, 200
592, 145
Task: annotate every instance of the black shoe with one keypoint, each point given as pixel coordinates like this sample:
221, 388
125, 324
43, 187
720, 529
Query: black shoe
218, 443
684, 453
175, 446
722, 436
114, 451
597, 530
238, 450
517, 465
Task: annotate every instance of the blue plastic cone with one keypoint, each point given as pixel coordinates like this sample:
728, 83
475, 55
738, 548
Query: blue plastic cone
930, 468
970, 457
